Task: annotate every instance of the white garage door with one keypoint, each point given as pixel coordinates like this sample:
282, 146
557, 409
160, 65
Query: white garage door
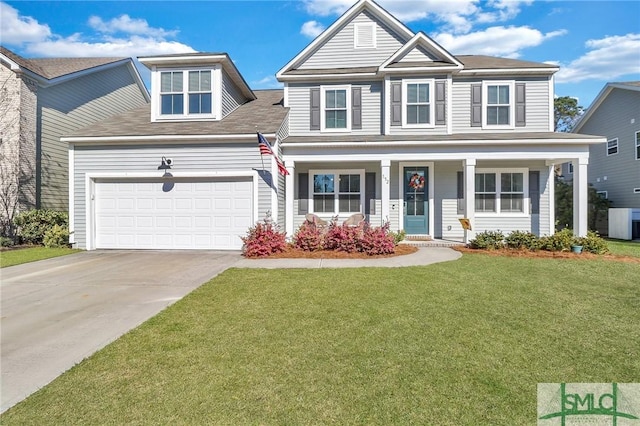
173, 214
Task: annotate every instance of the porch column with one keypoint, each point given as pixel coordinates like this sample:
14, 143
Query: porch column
470, 196
289, 195
580, 196
385, 189
552, 198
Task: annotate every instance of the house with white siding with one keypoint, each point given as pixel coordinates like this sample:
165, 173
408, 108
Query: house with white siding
373, 119
42, 99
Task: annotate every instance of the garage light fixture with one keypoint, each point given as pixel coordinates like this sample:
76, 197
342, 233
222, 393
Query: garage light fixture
165, 164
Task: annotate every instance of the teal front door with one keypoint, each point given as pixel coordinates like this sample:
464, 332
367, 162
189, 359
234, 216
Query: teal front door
416, 200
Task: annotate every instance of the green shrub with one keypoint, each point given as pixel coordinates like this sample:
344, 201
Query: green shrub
488, 240
398, 236
592, 243
32, 225
560, 241
6, 242
56, 237
522, 240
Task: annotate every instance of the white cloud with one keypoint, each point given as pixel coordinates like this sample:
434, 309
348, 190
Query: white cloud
126, 24
17, 30
269, 82
311, 29
75, 46
607, 59
495, 41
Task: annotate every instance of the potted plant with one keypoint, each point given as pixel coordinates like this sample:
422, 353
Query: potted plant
576, 245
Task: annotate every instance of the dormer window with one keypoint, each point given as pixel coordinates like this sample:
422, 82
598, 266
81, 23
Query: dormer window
187, 94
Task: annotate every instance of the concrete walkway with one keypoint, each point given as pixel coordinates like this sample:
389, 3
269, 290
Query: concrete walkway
57, 312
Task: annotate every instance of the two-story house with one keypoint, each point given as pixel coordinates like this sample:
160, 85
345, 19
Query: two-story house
373, 119
42, 99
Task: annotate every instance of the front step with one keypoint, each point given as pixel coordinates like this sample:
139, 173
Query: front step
431, 243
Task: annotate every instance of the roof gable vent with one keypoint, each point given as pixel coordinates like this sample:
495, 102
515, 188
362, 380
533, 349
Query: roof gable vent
364, 36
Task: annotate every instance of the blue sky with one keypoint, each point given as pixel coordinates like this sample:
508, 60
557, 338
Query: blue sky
594, 42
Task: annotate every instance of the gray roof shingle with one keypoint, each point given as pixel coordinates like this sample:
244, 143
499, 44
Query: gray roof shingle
266, 112
51, 68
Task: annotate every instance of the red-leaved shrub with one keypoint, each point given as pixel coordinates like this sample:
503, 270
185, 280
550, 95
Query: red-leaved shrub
343, 238
309, 237
263, 239
377, 240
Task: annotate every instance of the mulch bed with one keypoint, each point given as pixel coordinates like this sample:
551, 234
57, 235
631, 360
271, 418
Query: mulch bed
293, 253
549, 254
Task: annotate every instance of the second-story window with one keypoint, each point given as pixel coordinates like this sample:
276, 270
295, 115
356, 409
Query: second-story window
498, 105
335, 108
200, 92
417, 103
171, 93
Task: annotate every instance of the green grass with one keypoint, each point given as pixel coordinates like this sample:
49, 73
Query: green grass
456, 343
31, 254
624, 248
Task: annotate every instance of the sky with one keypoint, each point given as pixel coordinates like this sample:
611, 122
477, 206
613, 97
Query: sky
593, 42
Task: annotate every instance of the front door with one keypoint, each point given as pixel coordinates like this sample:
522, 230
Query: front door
416, 200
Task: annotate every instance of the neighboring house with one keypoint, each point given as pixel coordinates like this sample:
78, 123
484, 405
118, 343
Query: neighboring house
614, 166
42, 99
373, 119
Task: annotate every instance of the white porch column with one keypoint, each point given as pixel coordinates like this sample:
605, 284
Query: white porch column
552, 198
385, 189
470, 196
580, 196
289, 196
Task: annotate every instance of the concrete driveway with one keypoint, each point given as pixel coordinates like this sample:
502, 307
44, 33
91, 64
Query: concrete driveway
59, 311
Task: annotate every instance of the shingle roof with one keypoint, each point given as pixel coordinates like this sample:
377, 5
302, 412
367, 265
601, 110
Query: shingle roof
51, 68
484, 62
266, 112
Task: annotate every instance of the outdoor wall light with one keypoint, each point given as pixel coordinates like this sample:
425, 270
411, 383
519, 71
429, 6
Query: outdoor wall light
165, 163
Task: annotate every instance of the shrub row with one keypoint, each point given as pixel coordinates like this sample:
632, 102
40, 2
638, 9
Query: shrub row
265, 238
560, 241
42, 227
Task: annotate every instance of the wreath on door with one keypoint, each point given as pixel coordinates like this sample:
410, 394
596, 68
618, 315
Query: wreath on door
416, 181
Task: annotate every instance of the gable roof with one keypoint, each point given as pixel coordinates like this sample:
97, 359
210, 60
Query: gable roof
606, 90
201, 58
266, 113
53, 68
362, 5
442, 58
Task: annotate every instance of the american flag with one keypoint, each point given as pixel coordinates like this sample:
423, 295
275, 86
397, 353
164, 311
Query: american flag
281, 168
265, 146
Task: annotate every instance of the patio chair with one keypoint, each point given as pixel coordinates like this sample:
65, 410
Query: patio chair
354, 220
312, 218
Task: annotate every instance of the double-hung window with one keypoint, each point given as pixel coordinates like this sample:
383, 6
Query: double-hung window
335, 105
184, 94
417, 103
612, 147
498, 105
501, 191
337, 191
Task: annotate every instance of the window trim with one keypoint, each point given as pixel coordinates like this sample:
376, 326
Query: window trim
512, 104
525, 192
323, 101
617, 147
371, 25
638, 145
603, 194
216, 94
336, 182
431, 104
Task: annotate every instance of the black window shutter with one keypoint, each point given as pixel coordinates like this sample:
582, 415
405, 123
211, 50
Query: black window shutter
521, 105
370, 193
315, 109
303, 193
396, 104
476, 105
534, 191
441, 103
356, 108
461, 205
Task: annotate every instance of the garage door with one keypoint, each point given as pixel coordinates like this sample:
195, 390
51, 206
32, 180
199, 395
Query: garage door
173, 214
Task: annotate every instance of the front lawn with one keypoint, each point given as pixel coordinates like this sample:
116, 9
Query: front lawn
624, 248
456, 343
31, 254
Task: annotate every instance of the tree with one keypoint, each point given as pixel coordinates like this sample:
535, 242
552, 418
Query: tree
597, 207
566, 112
